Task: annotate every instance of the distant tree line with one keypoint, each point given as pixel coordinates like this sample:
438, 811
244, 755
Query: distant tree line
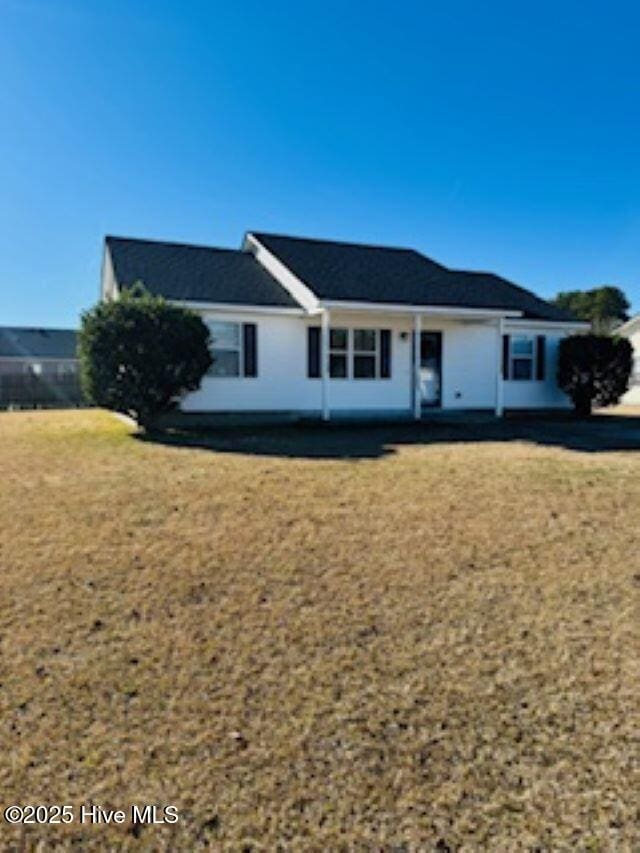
604, 307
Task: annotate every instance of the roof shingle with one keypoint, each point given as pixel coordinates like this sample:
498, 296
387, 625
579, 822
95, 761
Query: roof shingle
362, 273
195, 273
18, 342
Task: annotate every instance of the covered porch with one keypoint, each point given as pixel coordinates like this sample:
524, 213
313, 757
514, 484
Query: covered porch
441, 361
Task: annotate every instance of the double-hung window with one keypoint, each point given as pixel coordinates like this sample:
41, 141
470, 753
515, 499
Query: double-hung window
353, 353
522, 357
365, 354
234, 349
226, 349
339, 353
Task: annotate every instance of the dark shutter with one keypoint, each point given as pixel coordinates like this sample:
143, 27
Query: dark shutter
313, 352
385, 354
506, 347
250, 336
541, 351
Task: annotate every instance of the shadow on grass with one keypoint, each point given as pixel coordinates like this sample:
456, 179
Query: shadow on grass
601, 433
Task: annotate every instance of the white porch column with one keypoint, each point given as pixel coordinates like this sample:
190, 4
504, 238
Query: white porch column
324, 364
499, 377
417, 402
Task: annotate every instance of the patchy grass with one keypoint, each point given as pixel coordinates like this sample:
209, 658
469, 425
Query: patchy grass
437, 644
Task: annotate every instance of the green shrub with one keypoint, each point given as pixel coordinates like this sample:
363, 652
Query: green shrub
139, 354
594, 370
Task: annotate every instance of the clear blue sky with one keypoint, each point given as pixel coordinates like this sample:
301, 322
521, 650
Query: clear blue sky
493, 136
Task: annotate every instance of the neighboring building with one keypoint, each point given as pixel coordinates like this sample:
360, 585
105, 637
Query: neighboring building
305, 327
38, 367
631, 330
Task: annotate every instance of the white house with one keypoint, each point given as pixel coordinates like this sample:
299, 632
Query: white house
631, 330
319, 328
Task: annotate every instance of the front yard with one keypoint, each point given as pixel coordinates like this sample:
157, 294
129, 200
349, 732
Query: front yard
389, 639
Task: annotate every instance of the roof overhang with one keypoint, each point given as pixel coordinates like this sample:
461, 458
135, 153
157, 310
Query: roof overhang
238, 307
565, 325
452, 311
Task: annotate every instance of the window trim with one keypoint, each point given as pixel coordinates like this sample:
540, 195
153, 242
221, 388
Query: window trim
375, 353
531, 357
350, 353
240, 349
341, 351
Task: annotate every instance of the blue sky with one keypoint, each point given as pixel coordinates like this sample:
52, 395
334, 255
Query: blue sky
493, 136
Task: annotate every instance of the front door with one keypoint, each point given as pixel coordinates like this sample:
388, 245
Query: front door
431, 369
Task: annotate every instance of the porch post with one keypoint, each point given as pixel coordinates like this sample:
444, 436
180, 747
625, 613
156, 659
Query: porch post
324, 364
499, 376
417, 402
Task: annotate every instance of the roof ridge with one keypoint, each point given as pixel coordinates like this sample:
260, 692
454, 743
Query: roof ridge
350, 244
177, 243
353, 243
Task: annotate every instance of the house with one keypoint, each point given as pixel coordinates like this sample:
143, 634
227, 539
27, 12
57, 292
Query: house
38, 367
306, 327
631, 330
38, 351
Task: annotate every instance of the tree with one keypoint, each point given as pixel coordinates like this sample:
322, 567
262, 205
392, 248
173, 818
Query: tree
594, 370
139, 354
603, 307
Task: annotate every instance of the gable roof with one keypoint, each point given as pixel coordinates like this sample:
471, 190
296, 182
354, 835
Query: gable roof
18, 342
357, 272
191, 273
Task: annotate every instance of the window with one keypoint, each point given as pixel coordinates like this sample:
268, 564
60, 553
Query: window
522, 357
365, 353
353, 353
226, 349
635, 373
338, 353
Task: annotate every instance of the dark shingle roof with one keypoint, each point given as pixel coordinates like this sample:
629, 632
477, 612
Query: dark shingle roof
195, 273
37, 343
361, 273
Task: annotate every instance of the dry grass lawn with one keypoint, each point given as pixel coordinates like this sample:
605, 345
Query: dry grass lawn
431, 647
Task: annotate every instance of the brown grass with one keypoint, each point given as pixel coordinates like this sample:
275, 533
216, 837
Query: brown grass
435, 646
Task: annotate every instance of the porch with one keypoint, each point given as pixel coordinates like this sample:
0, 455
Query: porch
447, 363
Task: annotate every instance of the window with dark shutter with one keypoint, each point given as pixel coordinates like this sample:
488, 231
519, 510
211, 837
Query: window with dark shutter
313, 352
385, 354
250, 341
541, 351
